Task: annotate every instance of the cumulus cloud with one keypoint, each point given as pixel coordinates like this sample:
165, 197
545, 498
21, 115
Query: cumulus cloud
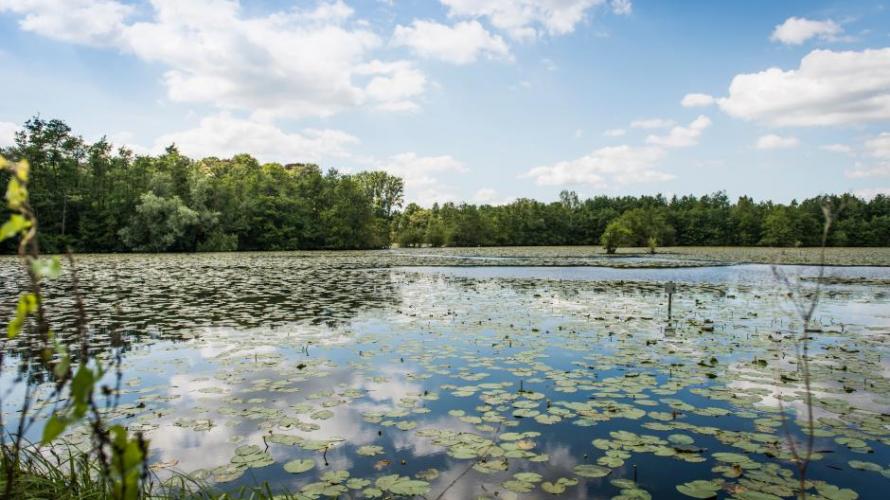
797, 30
837, 148
860, 171
615, 132
462, 43
394, 84
624, 164
223, 135
650, 123
681, 137
422, 175
528, 19
88, 22
621, 7
7, 134
773, 141
829, 88
695, 100
604, 167
485, 195
878, 148
289, 63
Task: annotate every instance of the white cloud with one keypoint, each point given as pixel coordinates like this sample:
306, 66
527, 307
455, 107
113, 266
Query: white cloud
879, 147
615, 132
462, 43
650, 123
7, 134
223, 136
421, 175
621, 7
773, 141
869, 193
394, 85
485, 195
289, 63
410, 164
681, 137
837, 148
604, 167
829, 88
88, 22
697, 100
528, 19
863, 172
126, 139
797, 30
624, 164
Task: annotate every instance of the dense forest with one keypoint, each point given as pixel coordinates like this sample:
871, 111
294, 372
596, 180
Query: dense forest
94, 198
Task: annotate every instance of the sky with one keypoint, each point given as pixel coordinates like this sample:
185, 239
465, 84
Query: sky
482, 101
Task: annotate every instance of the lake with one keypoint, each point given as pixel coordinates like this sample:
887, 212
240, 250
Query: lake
462, 374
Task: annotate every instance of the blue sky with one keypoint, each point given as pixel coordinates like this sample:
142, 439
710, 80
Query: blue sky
477, 100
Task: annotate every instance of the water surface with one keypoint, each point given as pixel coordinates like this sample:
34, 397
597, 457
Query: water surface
460, 378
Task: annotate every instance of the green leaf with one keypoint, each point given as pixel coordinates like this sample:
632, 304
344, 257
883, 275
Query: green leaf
20, 170
27, 305
299, 465
81, 388
16, 224
55, 425
592, 471
47, 267
16, 194
699, 489
62, 366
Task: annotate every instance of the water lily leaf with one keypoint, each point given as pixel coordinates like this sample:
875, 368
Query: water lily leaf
832, 492
699, 489
528, 477
369, 450
553, 488
517, 486
299, 465
592, 471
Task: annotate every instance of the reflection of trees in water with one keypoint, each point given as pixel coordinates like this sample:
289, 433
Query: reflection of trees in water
128, 298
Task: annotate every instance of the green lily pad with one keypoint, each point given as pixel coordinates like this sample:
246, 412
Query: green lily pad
299, 465
592, 471
699, 489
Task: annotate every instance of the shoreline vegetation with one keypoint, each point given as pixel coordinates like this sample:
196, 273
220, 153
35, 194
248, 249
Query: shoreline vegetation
92, 198
579, 256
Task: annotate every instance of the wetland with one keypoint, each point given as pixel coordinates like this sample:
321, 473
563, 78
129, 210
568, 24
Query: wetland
493, 373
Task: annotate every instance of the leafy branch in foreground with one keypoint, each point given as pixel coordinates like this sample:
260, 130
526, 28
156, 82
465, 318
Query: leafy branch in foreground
42, 359
805, 305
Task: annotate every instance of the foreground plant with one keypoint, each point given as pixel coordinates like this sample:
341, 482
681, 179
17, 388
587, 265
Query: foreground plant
40, 359
805, 305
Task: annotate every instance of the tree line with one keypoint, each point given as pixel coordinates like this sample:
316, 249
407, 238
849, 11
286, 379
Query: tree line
90, 197
709, 220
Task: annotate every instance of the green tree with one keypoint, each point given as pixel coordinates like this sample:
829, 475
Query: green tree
160, 225
616, 234
780, 228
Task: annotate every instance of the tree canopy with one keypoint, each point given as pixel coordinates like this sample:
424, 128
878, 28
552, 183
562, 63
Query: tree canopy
92, 198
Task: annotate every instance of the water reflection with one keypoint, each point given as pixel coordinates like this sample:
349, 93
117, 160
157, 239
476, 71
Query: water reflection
448, 369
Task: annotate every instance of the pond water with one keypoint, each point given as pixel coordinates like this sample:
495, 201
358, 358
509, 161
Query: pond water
352, 375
